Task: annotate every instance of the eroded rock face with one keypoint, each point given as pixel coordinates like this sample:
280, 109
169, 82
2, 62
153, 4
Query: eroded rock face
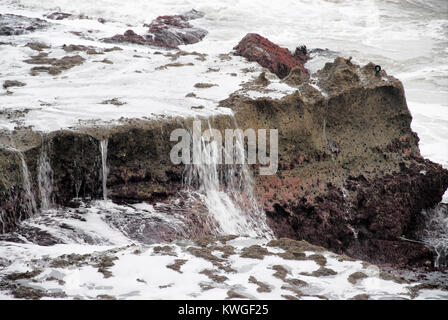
166, 31
269, 55
350, 175
13, 25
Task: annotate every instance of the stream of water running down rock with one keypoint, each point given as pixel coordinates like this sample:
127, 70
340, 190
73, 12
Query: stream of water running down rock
226, 189
104, 168
45, 179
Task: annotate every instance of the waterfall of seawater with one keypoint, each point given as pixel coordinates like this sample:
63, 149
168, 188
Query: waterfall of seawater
29, 196
104, 168
227, 190
45, 179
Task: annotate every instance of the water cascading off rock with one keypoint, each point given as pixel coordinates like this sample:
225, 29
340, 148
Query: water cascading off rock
225, 189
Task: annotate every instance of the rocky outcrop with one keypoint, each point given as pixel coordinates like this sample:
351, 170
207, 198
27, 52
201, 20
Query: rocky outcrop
271, 56
350, 178
168, 31
12, 83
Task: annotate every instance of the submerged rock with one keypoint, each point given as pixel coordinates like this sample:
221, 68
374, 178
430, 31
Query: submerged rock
269, 55
37, 46
168, 31
53, 66
349, 177
56, 15
13, 25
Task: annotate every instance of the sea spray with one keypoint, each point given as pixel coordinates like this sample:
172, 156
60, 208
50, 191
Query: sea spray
104, 168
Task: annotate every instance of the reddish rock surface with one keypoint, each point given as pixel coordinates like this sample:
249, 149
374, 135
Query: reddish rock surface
365, 220
166, 31
269, 55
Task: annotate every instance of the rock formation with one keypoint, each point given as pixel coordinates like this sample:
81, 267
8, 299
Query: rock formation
11, 24
350, 178
168, 31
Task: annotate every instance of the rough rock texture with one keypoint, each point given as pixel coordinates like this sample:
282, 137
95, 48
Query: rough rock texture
350, 177
166, 31
11, 24
269, 55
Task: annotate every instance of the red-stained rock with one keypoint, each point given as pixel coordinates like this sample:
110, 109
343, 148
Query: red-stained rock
369, 225
166, 31
128, 36
269, 55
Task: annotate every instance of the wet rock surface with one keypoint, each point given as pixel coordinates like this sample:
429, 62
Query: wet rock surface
271, 56
350, 172
168, 31
13, 83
